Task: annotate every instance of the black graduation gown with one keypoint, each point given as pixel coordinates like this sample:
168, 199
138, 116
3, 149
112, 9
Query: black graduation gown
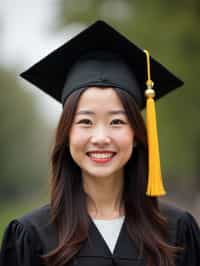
32, 235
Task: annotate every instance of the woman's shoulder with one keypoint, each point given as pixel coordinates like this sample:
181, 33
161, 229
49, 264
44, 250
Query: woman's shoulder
35, 226
176, 216
38, 217
183, 232
38, 221
26, 238
172, 212
182, 225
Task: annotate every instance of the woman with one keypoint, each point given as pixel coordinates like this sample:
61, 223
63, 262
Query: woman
99, 212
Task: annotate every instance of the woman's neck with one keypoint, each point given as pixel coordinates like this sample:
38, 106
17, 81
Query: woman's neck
104, 196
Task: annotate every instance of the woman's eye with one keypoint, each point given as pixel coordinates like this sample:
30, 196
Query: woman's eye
84, 121
118, 121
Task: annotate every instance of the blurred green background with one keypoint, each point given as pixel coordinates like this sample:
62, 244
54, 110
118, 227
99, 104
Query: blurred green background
170, 31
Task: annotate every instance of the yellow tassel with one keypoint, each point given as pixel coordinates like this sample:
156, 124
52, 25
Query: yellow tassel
155, 183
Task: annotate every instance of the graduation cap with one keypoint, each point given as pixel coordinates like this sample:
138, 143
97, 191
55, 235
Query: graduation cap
101, 56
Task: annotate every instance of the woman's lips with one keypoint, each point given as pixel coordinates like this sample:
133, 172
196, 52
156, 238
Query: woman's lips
101, 157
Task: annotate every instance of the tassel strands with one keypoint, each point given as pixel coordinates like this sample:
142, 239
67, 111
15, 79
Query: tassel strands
155, 183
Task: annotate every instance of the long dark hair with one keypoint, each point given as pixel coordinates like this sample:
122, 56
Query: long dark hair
145, 223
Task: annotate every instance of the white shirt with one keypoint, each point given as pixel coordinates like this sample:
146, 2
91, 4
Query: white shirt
110, 230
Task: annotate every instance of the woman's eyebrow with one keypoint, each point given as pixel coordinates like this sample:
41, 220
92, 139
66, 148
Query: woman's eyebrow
112, 112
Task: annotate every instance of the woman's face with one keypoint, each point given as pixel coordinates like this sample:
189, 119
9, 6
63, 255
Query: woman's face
101, 138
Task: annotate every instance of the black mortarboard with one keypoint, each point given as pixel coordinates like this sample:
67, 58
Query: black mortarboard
101, 56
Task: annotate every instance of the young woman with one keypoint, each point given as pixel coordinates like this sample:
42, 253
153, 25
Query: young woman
99, 212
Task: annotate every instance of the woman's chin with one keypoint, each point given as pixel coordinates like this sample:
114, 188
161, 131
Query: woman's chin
102, 173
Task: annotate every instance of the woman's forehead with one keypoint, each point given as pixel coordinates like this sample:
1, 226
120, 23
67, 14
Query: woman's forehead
97, 97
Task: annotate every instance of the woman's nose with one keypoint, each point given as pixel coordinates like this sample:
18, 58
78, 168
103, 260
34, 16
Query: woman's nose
100, 136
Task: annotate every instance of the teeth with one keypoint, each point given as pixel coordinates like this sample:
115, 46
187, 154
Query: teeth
101, 155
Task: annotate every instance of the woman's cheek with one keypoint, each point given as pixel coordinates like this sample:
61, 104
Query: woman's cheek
124, 136
79, 136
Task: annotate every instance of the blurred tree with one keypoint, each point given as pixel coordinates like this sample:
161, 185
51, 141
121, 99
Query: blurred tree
24, 141
170, 30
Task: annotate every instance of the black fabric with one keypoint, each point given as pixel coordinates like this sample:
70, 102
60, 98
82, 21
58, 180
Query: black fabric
50, 73
102, 68
27, 238
19, 247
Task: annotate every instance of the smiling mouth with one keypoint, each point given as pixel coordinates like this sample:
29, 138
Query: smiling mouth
101, 157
